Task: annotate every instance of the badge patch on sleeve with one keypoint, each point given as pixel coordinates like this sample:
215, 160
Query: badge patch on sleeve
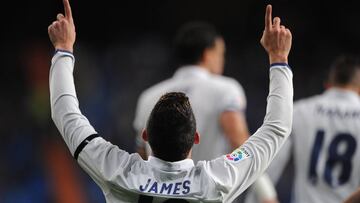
238, 155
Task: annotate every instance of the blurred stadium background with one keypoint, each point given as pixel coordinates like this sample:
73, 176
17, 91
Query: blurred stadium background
124, 47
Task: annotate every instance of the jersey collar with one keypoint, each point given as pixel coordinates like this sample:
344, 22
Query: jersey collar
342, 93
171, 166
192, 71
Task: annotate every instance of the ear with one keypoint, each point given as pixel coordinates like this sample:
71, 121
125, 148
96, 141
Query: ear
327, 85
144, 135
206, 56
197, 138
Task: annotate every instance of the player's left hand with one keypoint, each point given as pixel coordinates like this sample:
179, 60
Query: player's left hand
62, 31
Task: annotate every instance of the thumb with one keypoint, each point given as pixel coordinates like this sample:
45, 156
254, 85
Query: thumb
262, 38
60, 16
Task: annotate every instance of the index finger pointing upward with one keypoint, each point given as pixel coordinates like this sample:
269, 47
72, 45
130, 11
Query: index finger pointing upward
67, 9
268, 17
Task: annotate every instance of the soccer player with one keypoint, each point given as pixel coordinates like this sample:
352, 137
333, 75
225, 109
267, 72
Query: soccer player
170, 175
218, 102
325, 138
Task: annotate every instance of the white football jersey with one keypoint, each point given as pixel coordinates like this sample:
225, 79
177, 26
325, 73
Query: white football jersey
125, 177
324, 143
209, 95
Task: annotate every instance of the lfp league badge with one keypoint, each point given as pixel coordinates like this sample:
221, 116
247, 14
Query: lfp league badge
237, 155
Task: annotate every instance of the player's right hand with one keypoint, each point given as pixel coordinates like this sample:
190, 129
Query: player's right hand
276, 38
62, 31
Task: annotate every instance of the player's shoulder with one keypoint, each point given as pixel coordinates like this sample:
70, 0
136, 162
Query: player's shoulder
308, 101
225, 83
331, 96
225, 80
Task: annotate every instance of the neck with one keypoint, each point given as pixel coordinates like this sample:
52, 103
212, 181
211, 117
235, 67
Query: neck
189, 155
204, 66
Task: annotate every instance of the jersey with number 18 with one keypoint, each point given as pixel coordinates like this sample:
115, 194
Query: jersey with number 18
325, 146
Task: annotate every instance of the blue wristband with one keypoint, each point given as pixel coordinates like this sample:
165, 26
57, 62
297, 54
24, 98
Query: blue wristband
62, 50
280, 64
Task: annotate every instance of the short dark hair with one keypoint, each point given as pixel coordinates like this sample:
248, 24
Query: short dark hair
171, 127
343, 70
191, 41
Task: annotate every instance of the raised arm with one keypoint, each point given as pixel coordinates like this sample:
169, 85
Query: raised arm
236, 171
65, 112
266, 142
99, 158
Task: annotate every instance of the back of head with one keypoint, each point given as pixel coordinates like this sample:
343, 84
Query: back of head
345, 71
191, 41
171, 127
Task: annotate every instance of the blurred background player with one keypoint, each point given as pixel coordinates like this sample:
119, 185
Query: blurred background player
219, 102
325, 138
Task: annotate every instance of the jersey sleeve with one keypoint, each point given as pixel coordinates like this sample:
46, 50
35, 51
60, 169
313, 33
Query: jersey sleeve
233, 98
280, 161
99, 158
234, 172
72, 125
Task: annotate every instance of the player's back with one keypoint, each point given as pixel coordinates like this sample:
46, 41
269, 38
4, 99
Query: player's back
209, 95
326, 133
159, 181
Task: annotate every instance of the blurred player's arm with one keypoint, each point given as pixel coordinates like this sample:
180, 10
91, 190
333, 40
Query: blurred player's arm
354, 198
235, 127
232, 114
